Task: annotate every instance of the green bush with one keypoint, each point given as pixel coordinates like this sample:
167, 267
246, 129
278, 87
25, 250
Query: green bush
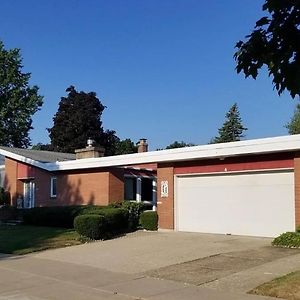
134, 210
288, 239
91, 226
149, 220
56, 216
116, 218
4, 197
8, 213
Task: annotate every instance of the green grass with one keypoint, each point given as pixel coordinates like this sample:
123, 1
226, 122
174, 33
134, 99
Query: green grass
285, 287
23, 239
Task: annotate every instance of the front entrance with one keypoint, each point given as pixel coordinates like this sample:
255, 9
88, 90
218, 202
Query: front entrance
28, 197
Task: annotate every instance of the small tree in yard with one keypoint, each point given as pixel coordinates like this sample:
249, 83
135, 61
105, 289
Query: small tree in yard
232, 129
294, 125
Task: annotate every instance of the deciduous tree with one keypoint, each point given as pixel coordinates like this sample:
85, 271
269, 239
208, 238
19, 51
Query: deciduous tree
275, 44
18, 100
294, 125
78, 118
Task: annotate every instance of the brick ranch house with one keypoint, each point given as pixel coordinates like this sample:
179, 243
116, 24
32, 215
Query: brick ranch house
247, 188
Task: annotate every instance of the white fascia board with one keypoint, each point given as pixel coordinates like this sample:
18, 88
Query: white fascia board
223, 150
258, 146
24, 159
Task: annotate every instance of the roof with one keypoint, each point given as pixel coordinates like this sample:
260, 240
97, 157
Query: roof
222, 150
39, 155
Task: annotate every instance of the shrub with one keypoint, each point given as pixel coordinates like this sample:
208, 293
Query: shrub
91, 226
134, 210
116, 218
8, 213
149, 220
4, 197
288, 239
56, 216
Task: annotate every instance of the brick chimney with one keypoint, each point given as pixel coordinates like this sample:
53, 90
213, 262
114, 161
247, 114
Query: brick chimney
89, 151
142, 146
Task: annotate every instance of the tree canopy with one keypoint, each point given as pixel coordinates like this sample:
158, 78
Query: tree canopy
181, 144
232, 129
274, 43
18, 100
78, 118
294, 125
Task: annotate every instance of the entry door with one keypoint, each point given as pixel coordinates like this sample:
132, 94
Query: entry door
257, 204
28, 194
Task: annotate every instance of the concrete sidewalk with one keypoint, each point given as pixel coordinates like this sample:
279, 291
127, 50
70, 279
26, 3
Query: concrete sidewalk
32, 278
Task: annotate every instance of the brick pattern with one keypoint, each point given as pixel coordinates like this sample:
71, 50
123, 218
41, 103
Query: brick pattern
165, 205
10, 180
297, 189
116, 186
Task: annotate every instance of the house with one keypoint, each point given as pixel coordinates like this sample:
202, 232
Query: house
247, 188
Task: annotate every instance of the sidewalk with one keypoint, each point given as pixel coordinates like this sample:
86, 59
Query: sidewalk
31, 278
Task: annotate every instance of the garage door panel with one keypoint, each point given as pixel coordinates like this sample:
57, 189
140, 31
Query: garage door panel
260, 204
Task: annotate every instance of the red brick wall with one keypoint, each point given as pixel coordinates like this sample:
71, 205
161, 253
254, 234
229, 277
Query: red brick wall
262, 162
165, 206
10, 181
297, 189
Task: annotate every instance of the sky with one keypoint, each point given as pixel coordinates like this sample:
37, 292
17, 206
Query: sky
163, 68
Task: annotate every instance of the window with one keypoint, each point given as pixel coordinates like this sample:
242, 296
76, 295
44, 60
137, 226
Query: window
130, 188
147, 189
53, 187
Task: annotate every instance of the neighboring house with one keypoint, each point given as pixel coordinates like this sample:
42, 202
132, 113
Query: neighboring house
248, 188
2, 170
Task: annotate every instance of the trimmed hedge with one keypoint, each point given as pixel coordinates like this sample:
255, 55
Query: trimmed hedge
134, 211
55, 216
149, 220
91, 226
288, 239
4, 197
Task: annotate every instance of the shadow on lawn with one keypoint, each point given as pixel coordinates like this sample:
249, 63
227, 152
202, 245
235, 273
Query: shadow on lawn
22, 239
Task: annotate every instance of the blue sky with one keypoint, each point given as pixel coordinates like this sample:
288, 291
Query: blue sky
163, 68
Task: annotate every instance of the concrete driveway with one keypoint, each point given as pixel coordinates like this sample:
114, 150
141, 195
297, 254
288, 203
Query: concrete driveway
148, 265
144, 251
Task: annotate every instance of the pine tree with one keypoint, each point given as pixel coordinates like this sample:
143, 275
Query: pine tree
232, 129
294, 125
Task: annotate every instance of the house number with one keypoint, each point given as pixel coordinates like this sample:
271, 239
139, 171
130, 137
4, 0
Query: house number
164, 189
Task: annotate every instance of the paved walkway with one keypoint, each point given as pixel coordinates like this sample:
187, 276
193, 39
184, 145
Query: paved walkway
123, 268
32, 278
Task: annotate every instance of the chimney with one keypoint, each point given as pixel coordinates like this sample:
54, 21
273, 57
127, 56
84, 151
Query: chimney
142, 146
89, 151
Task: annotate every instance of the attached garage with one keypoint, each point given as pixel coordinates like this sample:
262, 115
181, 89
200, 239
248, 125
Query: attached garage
242, 203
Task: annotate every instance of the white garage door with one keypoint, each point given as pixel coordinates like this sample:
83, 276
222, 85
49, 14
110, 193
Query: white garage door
257, 204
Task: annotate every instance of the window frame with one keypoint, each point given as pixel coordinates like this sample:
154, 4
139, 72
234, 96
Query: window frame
52, 180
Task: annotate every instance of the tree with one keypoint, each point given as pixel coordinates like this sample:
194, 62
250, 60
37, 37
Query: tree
78, 118
181, 144
18, 100
43, 147
274, 43
126, 146
294, 125
232, 129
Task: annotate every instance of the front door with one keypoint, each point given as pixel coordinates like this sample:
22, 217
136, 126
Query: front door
28, 194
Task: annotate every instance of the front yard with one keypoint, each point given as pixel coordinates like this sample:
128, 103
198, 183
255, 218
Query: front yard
285, 287
22, 239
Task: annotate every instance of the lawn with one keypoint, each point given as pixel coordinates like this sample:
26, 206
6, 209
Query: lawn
285, 287
22, 239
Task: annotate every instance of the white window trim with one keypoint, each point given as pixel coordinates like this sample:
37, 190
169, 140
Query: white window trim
52, 179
